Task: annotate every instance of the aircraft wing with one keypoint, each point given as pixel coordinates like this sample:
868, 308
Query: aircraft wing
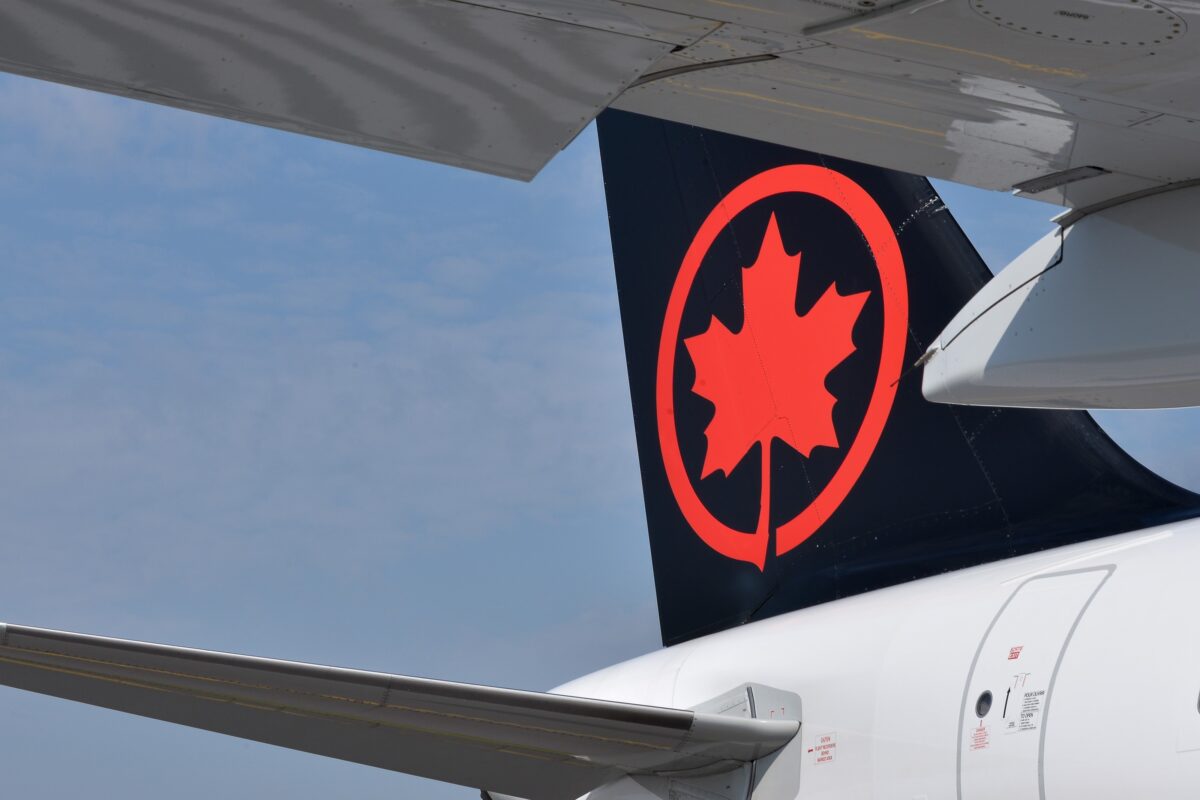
527, 744
445, 81
1075, 102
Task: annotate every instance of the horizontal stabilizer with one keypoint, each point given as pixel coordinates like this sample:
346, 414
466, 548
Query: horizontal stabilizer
528, 744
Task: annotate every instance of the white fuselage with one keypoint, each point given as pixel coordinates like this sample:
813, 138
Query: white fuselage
1091, 654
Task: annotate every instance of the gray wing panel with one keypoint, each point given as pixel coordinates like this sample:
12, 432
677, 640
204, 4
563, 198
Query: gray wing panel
462, 84
528, 744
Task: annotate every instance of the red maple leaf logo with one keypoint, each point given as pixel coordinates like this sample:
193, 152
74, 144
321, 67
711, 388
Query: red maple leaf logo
767, 381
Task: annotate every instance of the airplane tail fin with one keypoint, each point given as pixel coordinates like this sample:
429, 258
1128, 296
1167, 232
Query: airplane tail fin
774, 303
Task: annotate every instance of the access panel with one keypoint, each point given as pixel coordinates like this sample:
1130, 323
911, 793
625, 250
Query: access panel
1007, 702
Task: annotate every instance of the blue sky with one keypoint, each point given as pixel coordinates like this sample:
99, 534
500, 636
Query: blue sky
275, 395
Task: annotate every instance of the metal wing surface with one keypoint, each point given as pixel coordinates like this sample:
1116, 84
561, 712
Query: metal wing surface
527, 744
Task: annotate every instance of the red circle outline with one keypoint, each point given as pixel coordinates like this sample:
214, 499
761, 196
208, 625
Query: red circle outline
889, 263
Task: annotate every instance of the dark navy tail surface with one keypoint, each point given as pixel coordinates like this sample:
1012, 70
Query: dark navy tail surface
774, 302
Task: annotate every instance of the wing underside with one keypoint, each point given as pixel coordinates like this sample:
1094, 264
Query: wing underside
443, 81
1076, 102
527, 744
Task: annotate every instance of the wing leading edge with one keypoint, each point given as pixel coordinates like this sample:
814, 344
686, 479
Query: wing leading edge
528, 744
